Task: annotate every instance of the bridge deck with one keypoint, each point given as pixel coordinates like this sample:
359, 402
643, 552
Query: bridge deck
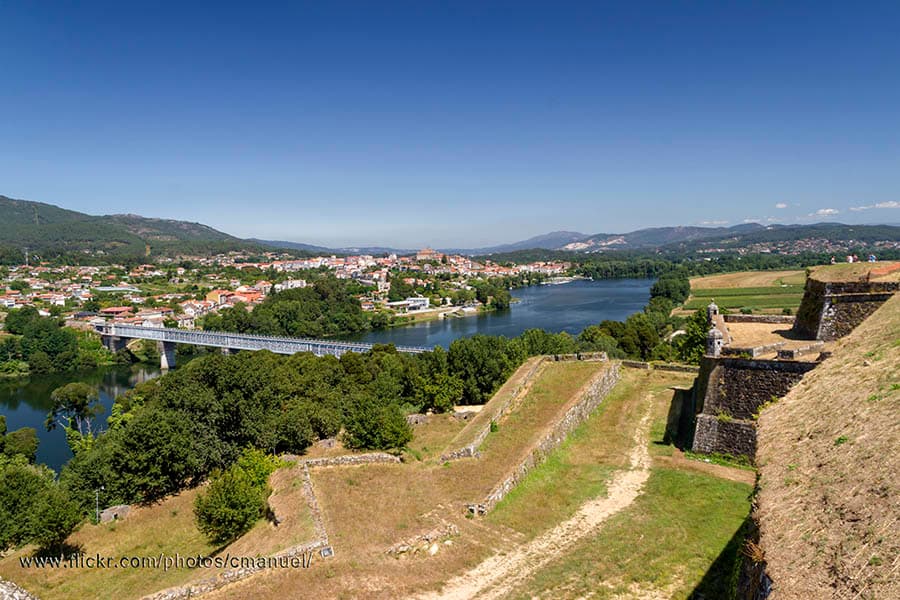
239, 341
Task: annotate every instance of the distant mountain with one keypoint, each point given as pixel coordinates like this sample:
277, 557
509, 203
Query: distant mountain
373, 250
655, 237
835, 232
548, 241
48, 231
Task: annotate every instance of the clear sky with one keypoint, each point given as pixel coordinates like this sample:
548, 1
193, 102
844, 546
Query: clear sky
459, 123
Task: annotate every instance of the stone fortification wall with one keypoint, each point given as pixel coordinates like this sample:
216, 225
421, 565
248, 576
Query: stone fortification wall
739, 386
589, 398
831, 310
729, 392
725, 436
347, 459
771, 319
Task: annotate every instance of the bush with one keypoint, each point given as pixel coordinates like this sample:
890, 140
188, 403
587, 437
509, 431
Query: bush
229, 507
53, 517
236, 499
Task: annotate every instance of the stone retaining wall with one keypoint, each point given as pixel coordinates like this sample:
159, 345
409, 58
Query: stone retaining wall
347, 459
674, 367
594, 393
774, 319
716, 435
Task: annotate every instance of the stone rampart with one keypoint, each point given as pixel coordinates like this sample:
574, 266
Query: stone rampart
350, 459
729, 392
589, 398
716, 434
831, 310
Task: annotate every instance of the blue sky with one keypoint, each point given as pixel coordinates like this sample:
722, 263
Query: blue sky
453, 123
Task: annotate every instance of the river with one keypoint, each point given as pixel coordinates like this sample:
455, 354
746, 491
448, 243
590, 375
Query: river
26, 402
567, 307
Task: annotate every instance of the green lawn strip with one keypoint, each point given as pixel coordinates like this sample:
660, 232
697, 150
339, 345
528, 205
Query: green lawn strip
770, 301
746, 291
678, 534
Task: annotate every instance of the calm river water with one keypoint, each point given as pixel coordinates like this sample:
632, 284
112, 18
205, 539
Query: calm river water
568, 307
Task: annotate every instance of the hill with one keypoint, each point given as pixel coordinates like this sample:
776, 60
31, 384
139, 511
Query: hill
49, 232
828, 501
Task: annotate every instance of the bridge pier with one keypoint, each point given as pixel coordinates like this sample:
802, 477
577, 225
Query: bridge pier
114, 343
166, 355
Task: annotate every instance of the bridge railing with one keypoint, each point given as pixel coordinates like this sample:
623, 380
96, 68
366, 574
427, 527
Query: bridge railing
240, 341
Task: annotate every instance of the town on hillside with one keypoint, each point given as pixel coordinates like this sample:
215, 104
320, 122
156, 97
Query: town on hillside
179, 292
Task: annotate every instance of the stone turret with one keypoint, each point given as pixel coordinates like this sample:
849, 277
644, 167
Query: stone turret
712, 311
715, 339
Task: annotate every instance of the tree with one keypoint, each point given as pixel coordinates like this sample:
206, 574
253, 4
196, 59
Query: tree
17, 320
53, 517
33, 507
375, 423
692, 344
78, 404
20, 484
441, 393
22, 442
482, 363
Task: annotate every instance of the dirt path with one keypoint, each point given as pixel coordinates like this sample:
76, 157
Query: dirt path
501, 573
679, 461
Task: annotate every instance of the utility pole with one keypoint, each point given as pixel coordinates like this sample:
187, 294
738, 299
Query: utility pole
97, 500
26, 257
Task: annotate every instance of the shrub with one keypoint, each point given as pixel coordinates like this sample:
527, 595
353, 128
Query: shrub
236, 498
230, 506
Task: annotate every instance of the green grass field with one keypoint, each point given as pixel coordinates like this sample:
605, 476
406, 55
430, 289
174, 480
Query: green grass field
769, 298
751, 301
677, 538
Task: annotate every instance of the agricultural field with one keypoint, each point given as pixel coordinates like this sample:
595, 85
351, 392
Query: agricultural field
756, 291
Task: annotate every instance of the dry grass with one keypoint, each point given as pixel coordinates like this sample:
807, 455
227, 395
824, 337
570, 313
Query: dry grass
164, 528
368, 509
432, 438
880, 271
829, 503
747, 279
